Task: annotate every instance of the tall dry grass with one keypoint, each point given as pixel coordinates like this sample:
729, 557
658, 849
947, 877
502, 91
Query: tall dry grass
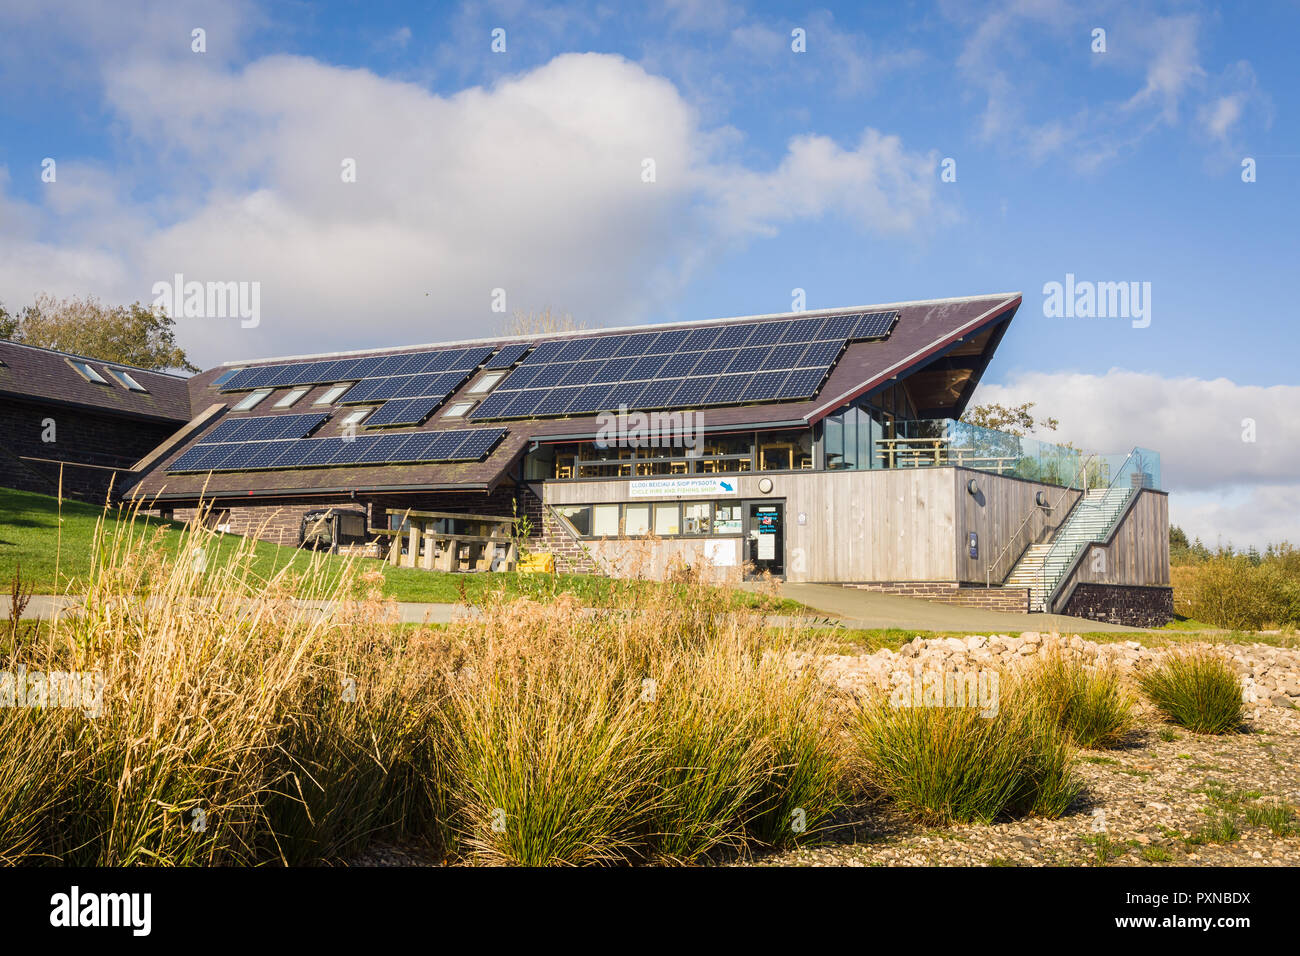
252, 719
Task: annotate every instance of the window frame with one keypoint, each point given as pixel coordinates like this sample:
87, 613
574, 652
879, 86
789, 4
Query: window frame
126, 380
292, 397
465, 407
88, 372
332, 394
250, 401
486, 383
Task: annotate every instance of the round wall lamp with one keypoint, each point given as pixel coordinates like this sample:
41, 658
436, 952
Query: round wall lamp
973, 486
765, 485
1041, 499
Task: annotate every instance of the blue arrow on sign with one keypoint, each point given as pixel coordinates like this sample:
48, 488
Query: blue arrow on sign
725, 486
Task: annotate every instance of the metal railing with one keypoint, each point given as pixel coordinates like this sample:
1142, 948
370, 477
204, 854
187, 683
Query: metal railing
988, 571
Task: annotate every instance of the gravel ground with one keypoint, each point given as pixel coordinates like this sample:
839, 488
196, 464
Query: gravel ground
1152, 802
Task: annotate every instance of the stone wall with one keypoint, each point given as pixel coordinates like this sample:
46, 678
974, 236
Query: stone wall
1122, 604
1011, 600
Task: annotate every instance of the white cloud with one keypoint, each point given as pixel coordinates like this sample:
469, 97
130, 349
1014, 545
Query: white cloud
533, 185
1221, 487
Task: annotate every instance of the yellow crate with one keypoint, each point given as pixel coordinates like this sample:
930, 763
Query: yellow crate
537, 564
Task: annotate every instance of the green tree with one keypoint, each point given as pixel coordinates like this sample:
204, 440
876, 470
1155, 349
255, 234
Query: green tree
8, 324
1017, 420
131, 334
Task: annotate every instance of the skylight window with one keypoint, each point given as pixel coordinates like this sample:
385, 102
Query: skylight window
356, 416
331, 395
458, 410
125, 379
88, 372
486, 382
252, 399
290, 397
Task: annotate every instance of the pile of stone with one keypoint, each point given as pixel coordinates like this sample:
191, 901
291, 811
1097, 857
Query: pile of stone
1270, 675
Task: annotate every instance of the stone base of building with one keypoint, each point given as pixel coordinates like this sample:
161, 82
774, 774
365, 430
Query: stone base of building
1011, 600
1122, 604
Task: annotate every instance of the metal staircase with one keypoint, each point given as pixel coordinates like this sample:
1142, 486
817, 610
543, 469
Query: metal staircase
1043, 567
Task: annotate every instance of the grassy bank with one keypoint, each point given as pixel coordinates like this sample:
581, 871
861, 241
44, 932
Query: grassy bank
55, 544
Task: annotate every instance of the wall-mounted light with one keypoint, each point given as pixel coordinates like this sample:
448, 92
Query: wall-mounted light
1041, 499
973, 486
765, 485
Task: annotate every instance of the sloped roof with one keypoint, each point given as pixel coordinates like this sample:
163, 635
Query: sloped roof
46, 375
925, 332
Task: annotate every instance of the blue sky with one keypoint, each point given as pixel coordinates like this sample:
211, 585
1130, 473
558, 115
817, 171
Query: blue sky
775, 170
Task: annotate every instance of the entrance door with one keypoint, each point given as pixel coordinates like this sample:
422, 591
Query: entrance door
765, 537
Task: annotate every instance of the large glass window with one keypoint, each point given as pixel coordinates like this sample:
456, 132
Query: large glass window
666, 522
636, 519
604, 521
579, 516
848, 439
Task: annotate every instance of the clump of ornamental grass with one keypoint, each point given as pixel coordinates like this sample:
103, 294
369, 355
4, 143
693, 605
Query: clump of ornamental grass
1196, 689
1089, 704
961, 764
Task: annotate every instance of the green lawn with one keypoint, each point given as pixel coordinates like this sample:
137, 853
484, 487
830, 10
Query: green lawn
33, 532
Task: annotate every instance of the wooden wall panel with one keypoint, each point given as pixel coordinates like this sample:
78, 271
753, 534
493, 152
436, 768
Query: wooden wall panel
998, 515
1138, 554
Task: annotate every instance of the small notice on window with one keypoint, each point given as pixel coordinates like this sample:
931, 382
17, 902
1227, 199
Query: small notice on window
766, 547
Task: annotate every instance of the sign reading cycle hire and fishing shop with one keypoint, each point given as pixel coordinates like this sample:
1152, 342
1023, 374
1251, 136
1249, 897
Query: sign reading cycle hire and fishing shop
673, 487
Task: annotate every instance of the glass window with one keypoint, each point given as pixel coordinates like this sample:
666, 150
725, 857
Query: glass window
604, 521
290, 397
88, 372
331, 394
666, 516
458, 410
726, 519
125, 379
251, 399
636, 520
579, 516
696, 517
356, 416
486, 382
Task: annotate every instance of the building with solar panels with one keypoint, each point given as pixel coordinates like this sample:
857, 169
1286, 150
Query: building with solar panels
817, 446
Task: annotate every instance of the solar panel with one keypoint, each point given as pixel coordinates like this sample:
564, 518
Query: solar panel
408, 411
748, 360
838, 326
763, 386
509, 355
647, 367
520, 377
604, 347
727, 389
617, 369
783, 356
574, 350
443, 444
872, 325
802, 330
626, 393
692, 391
768, 333
671, 341
593, 398
549, 375
680, 365
477, 443
473, 358
296, 451
522, 403
493, 405
545, 352
583, 373
821, 354
556, 401
700, 339
639, 344
734, 336
658, 394
802, 383
712, 363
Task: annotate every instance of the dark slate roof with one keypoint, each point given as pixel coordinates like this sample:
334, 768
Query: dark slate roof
925, 329
44, 375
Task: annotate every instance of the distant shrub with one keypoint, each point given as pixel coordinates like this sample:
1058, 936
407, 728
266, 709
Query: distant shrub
1233, 591
1198, 690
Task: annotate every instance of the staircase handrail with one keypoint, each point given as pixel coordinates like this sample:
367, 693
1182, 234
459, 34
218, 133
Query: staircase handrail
988, 569
1060, 538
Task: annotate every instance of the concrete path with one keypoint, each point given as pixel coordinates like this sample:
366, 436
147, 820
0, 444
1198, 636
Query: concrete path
850, 607
867, 609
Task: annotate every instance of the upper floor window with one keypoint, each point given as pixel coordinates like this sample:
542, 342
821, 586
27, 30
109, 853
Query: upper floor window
332, 394
486, 382
291, 396
88, 372
251, 400
125, 379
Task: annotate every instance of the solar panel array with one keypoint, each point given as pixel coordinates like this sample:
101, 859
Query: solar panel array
265, 427
680, 368
466, 444
358, 369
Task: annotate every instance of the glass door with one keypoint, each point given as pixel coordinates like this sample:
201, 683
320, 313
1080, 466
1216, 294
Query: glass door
765, 537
